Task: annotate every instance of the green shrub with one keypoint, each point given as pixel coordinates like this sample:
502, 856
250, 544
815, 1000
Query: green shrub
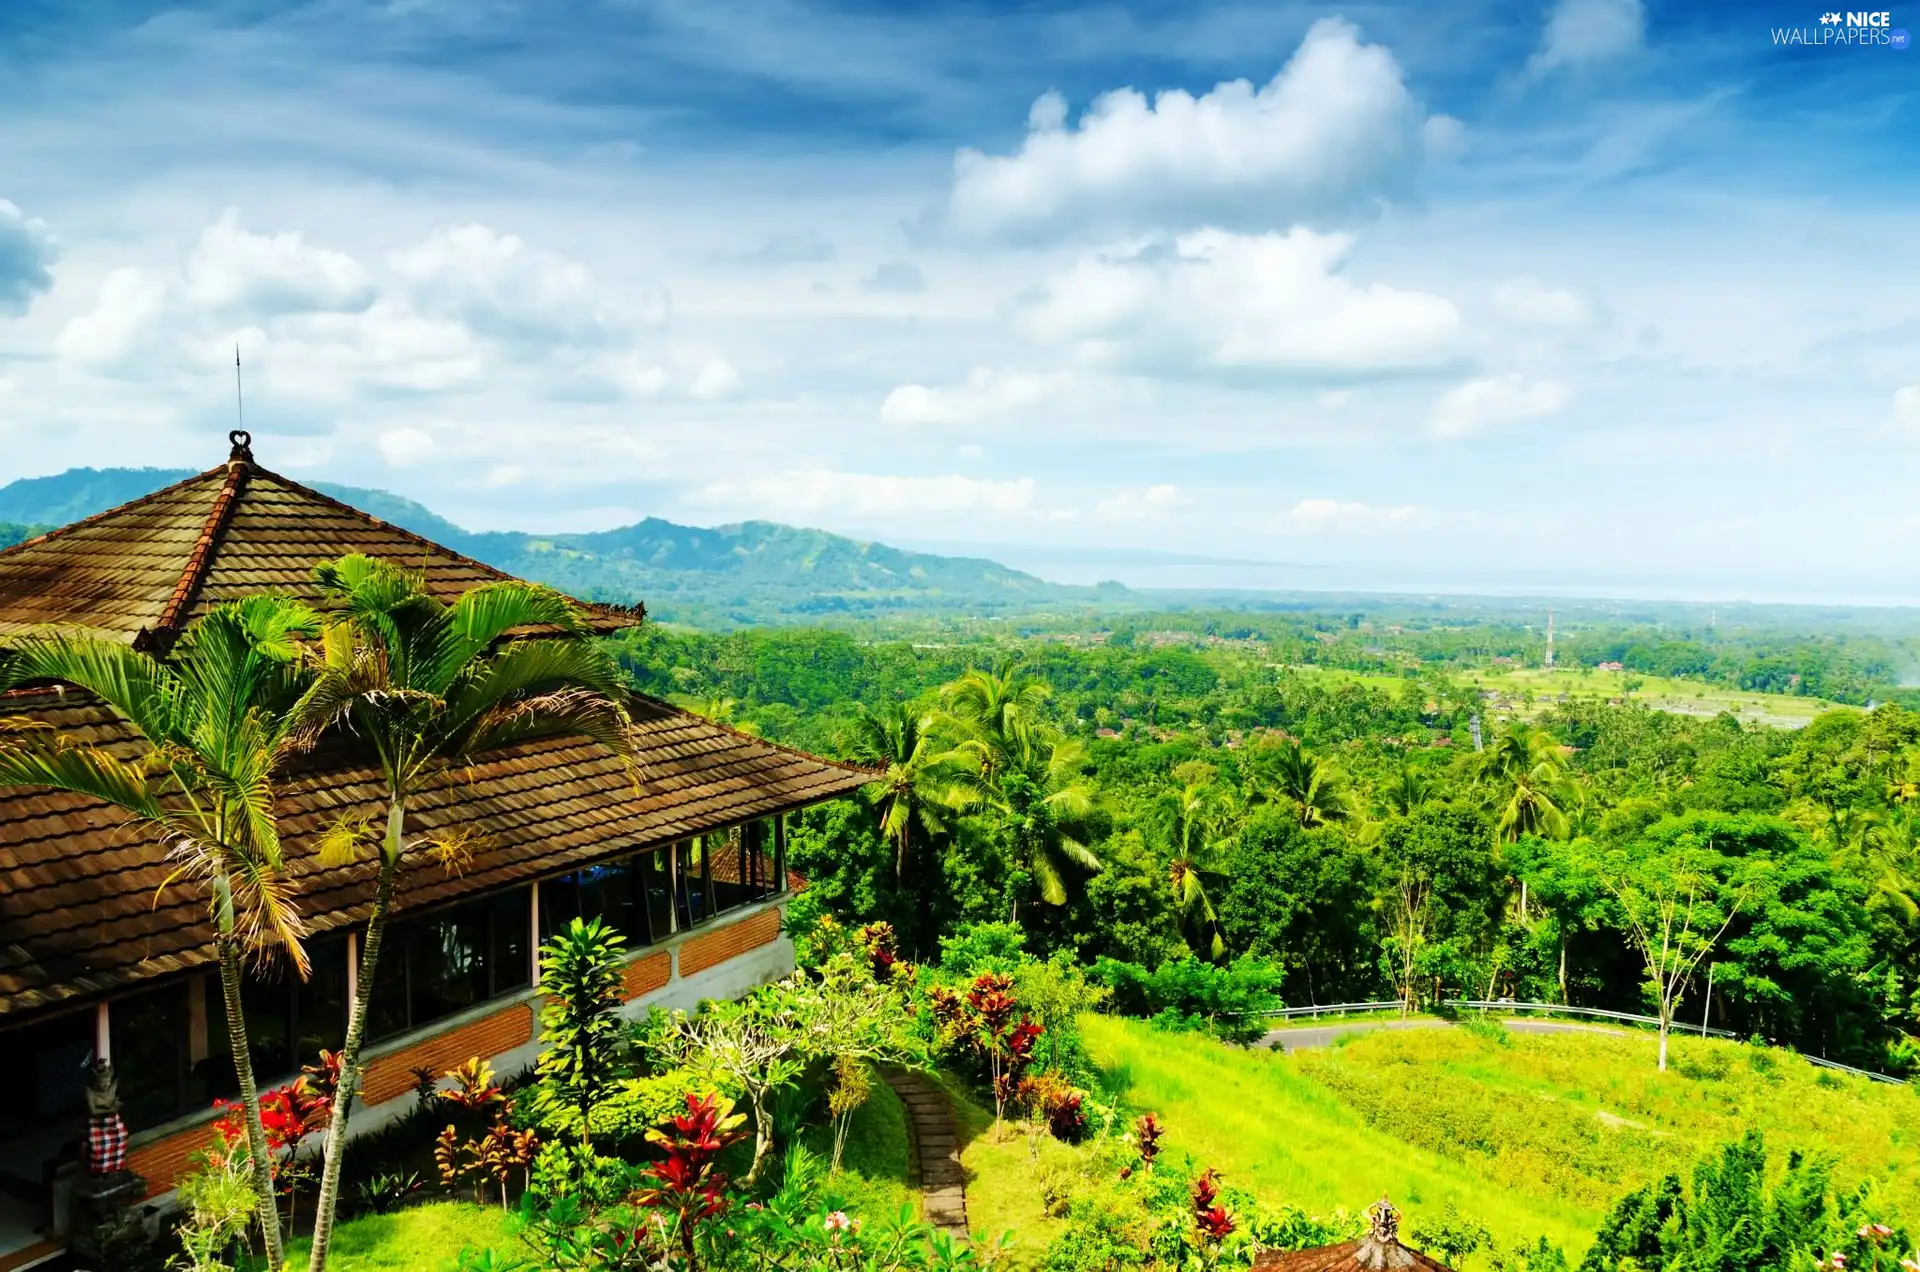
1185, 993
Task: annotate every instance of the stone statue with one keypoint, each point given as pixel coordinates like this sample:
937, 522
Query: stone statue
1382, 1251
106, 1147
103, 1090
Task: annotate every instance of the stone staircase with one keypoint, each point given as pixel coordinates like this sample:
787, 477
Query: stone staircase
936, 1144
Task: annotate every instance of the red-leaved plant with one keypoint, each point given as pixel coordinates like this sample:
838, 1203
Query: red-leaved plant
1147, 1132
1211, 1221
686, 1186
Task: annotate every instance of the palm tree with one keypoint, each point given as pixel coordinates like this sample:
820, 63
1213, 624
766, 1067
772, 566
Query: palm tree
920, 782
997, 715
1406, 790
1182, 821
1313, 786
1046, 807
219, 718
1528, 773
421, 687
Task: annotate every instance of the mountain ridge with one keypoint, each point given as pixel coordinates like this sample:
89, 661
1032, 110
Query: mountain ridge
745, 572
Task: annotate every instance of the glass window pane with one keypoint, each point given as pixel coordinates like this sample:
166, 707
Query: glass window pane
652, 868
387, 1012
510, 967
268, 1004
448, 966
559, 904
321, 1002
43, 1070
149, 1037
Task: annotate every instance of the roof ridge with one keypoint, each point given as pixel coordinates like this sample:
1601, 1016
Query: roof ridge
71, 526
195, 572
637, 611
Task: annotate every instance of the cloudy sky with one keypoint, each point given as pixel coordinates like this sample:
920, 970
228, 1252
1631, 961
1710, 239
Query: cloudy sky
1590, 295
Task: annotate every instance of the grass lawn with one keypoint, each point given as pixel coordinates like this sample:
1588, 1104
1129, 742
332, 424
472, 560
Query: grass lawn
429, 1238
426, 1238
1586, 1116
1531, 1135
1270, 1128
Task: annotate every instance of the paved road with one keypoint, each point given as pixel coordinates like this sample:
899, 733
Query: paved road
1300, 1038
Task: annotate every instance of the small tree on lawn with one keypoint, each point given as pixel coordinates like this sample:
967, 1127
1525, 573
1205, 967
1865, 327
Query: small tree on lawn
758, 1046
1675, 906
583, 1039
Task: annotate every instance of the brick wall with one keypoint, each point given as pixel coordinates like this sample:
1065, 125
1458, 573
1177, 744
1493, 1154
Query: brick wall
709, 949
644, 975
164, 1160
392, 1074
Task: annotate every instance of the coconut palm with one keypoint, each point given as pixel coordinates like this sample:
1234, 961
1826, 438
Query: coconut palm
1313, 786
1045, 807
1527, 772
1182, 822
219, 717
420, 687
1406, 790
997, 714
921, 783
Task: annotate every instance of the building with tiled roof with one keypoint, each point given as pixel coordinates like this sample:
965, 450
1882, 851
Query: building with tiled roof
100, 955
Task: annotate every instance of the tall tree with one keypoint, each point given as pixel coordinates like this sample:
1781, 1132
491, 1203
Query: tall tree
1045, 809
921, 784
1319, 798
420, 686
219, 718
998, 715
1676, 902
1528, 774
1183, 822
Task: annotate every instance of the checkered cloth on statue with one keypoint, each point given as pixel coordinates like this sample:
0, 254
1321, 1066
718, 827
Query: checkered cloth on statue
106, 1144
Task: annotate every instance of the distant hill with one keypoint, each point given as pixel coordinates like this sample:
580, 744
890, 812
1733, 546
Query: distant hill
753, 572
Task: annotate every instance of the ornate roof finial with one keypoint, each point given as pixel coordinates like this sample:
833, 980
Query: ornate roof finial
1385, 1221
242, 446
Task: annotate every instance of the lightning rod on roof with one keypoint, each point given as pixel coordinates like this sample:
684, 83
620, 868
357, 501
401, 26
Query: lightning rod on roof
239, 399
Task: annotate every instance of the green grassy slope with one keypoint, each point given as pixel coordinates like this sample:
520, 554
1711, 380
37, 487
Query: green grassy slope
1535, 1135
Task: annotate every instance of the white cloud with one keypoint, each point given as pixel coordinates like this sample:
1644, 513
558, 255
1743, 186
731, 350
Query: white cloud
1529, 302
1488, 403
867, 494
406, 447
1222, 302
386, 347
1583, 32
1142, 505
235, 272
498, 285
984, 394
1325, 514
27, 253
118, 326
1335, 129
1906, 406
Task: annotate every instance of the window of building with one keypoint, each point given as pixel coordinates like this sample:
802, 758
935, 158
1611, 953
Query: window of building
629, 895
442, 963
43, 1070
289, 1021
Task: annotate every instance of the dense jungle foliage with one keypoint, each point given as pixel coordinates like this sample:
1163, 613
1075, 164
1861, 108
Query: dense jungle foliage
1238, 795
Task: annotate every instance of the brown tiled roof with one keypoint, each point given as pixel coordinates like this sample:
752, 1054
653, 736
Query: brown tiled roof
1350, 1256
82, 913
146, 569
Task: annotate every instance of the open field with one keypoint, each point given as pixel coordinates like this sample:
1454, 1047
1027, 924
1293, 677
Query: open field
1530, 1135
1527, 691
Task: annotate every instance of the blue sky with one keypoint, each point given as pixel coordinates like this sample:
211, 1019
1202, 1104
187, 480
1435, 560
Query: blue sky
1591, 295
